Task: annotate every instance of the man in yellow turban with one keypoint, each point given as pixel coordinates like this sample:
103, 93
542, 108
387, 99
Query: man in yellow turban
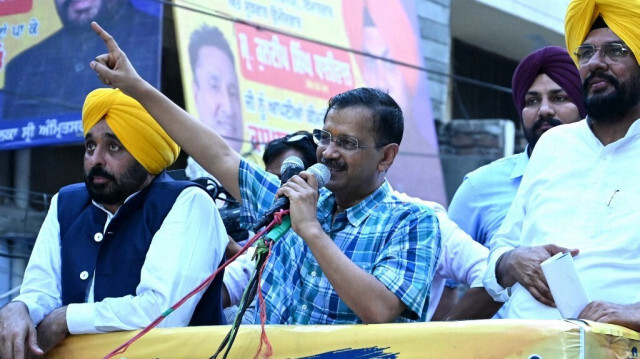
580, 190
116, 251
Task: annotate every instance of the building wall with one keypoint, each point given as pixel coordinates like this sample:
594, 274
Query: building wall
472, 48
435, 31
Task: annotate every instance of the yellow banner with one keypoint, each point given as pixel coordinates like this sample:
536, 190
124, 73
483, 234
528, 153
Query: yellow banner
23, 25
531, 339
256, 70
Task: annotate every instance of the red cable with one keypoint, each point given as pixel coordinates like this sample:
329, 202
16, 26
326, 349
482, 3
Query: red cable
122, 348
263, 312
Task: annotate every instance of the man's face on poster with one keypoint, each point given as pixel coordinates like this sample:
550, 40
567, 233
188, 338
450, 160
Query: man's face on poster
382, 74
82, 12
217, 96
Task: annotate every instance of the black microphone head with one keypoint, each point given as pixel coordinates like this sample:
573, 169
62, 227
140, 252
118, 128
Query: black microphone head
291, 162
290, 167
322, 173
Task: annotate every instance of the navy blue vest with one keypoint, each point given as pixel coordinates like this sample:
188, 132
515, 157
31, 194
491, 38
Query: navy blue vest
117, 255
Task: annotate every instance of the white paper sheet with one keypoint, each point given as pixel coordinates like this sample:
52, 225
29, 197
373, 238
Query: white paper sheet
564, 283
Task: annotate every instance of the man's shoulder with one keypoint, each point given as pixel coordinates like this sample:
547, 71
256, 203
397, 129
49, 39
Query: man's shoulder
402, 202
164, 184
75, 188
567, 129
498, 169
37, 52
563, 136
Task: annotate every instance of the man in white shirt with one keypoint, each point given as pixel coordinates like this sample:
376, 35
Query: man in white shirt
580, 190
118, 250
464, 260
547, 92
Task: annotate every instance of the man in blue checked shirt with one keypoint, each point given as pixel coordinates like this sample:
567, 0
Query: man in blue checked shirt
356, 252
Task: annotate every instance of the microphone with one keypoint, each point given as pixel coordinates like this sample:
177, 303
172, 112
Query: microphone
290, 167
322, 174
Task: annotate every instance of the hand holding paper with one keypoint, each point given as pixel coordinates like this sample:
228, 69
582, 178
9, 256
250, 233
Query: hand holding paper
564, 283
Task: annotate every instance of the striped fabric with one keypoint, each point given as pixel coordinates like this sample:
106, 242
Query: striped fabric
396, 241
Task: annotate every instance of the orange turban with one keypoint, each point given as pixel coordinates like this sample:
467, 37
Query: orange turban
622, 17
139, 133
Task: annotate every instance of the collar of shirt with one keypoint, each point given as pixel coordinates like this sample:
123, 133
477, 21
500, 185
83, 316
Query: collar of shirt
109, 214
358, 213
161, 177
520, 165
633, 130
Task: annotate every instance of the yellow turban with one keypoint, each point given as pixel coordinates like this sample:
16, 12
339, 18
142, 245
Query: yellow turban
622, 17
139, 133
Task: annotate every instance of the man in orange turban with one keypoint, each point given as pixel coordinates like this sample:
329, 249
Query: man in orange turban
116, 251
580, 189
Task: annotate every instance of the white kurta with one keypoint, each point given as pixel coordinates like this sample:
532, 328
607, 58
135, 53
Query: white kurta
577, 193
184, 251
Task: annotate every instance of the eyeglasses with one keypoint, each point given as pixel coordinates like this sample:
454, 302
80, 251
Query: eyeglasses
347, 143
615, 52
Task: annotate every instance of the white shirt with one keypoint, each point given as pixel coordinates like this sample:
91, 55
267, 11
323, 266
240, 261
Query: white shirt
237, 275
577, 193
185, 250
461, 258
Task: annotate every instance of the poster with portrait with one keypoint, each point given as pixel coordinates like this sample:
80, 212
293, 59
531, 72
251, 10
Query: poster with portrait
45, 51
256, 70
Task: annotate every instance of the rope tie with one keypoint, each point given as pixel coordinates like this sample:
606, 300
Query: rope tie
123, 347
280, 224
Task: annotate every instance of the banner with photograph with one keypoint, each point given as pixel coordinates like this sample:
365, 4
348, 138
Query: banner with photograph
45, 50
258, 70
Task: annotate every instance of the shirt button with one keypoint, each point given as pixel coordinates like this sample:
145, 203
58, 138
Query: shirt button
84, 275
97, 237
304, 307
313, 274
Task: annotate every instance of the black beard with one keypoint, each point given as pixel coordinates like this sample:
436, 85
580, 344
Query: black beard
532, 134
117, 189
612, 107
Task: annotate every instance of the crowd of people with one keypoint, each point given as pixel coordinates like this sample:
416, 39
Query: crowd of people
117, 250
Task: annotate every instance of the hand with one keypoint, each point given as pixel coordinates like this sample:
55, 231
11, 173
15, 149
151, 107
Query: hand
53, 329
475, 304
114, 68
625, 315
17, 332
523, 265
232, 248
302, 191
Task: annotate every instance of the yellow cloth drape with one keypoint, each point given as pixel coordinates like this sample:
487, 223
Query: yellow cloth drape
138, 132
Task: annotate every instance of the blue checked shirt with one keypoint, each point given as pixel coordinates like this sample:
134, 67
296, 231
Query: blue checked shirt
396, 241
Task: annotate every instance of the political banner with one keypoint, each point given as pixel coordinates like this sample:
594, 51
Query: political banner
257, 70
45, 51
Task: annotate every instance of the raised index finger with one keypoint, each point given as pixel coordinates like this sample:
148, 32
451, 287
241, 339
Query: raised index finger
104, 35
